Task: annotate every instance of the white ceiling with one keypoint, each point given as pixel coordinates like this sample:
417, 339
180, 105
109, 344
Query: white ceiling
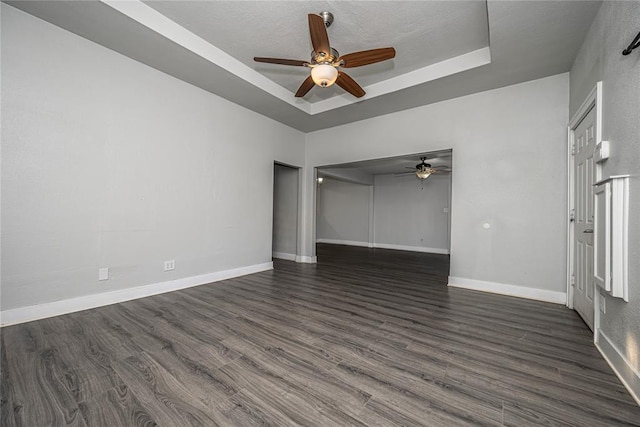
445, 49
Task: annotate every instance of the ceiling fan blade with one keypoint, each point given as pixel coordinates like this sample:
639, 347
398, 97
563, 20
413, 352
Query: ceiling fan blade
319, 36
305, 87
280, 61
367, 57
350, 85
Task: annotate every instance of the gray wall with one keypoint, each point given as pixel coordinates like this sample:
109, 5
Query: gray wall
509, 154
343, 211
109, 163
406, 213
285, 210
354, 175
410, 213
600, 58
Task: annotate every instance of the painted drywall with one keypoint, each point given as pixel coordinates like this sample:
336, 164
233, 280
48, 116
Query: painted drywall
109, 163
600, 58
408, 212
343, 211
509, 154
285, 210
354, 175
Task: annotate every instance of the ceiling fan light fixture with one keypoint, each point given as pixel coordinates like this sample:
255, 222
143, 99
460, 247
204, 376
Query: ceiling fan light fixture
325, 60
324, 75
423, 173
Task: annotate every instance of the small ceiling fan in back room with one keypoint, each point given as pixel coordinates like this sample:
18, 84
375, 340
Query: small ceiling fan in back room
326, 61
424, 170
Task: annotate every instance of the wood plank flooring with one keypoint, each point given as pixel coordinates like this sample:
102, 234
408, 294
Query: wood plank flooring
365, 337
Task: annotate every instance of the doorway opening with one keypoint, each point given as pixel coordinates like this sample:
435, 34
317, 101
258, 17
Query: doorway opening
384, 204
585, 131
286, 201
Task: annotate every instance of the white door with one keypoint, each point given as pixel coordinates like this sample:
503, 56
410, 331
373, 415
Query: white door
584, 177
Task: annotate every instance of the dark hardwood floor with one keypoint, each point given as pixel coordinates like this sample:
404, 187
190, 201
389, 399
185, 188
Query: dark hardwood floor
365, 337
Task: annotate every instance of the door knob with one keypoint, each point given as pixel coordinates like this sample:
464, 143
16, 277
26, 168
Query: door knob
589, 231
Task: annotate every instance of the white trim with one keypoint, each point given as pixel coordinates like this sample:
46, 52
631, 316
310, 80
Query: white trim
626, 372
157, 22
602, 237
511, 290
343, 242
411, 248
306, 259
596, 313
284, 255
593, 99
448, 67
57, 308
570, 223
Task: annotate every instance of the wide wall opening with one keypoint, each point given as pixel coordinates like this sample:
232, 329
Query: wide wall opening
400, 203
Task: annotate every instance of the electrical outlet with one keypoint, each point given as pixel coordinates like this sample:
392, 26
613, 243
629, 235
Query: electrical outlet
103, 274
603, 304
170, 265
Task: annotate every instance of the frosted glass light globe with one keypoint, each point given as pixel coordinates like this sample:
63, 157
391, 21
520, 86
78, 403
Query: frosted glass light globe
424, 172
324, 75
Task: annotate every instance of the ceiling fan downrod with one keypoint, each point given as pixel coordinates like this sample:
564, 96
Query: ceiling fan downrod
327, 17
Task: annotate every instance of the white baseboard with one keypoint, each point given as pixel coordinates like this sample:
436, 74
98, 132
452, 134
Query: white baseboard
411, 248
306, 259
343, 242
284, 255
384, 246
511, 290
627, 373
297, 258
57, 308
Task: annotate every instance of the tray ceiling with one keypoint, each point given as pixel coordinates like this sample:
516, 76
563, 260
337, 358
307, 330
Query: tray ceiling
246, 29
444, 49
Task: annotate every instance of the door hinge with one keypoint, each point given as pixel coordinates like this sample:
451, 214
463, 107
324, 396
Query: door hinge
573, 281
572, 215
573, 149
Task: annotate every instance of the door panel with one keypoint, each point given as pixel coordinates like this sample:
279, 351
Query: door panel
584, 173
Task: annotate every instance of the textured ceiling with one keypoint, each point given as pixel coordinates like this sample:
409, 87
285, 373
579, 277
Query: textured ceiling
527, 39
423, 33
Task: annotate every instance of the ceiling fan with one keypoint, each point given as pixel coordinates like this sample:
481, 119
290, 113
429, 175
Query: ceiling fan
424, 170
325, 60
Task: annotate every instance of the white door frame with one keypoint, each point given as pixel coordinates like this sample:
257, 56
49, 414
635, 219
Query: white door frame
593, 101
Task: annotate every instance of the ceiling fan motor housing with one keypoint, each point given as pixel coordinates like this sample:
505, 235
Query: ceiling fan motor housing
321, 58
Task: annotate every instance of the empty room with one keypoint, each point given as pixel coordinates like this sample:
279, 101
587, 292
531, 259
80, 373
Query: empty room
320, 213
